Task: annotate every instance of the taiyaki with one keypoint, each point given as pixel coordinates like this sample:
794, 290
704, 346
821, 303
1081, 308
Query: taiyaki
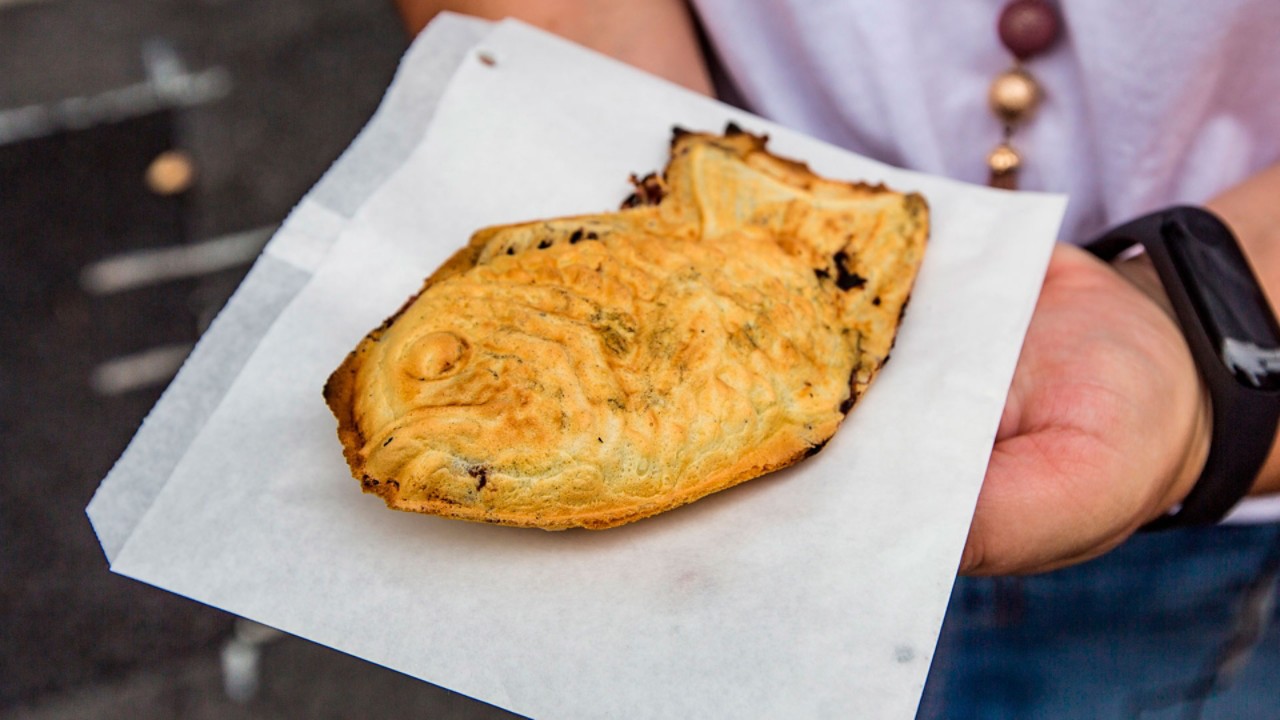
594, 370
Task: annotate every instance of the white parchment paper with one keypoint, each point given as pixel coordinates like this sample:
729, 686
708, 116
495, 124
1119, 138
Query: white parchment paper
814, 592
287, 263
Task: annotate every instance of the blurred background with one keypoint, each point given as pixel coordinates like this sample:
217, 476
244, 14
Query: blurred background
147, 151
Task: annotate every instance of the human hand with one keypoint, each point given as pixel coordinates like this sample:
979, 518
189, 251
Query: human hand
657, 36
1105, 428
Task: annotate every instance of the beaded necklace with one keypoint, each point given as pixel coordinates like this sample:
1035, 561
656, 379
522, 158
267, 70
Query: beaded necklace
1026, 28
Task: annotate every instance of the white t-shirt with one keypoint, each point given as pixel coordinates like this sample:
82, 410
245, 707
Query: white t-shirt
1147, 102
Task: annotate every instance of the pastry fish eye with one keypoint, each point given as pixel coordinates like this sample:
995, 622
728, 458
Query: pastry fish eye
437, 355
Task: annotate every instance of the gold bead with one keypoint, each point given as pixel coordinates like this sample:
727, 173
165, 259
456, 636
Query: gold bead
1004, 159
171, 172
1014, 96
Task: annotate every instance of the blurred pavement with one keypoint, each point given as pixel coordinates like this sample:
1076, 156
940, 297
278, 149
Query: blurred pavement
133, 130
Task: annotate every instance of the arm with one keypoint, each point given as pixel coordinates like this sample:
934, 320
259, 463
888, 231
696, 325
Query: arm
1252, 210
1107, 424
658, 36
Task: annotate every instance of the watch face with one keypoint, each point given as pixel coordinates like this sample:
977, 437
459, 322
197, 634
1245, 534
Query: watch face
1227, 298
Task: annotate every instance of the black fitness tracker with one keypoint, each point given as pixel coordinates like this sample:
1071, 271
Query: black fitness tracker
1234, 340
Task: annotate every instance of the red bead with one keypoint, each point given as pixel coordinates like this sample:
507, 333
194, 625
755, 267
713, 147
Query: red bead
1028, 27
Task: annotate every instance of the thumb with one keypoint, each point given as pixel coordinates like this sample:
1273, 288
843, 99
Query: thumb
1036, 511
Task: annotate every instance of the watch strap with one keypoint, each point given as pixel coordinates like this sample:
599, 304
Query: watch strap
1234, 341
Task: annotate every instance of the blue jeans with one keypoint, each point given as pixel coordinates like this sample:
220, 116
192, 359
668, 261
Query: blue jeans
1176, 624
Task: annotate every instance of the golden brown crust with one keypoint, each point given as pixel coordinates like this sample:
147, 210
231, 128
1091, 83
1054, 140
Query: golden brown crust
594, 370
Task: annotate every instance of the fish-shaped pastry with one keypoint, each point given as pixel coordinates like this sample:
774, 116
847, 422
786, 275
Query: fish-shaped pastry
594, 370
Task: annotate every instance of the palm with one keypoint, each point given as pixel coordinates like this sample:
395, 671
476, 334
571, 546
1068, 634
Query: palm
1103, 428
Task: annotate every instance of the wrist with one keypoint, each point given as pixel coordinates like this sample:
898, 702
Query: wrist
1234, 340
1190, 466
1251, 212
1136, 267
